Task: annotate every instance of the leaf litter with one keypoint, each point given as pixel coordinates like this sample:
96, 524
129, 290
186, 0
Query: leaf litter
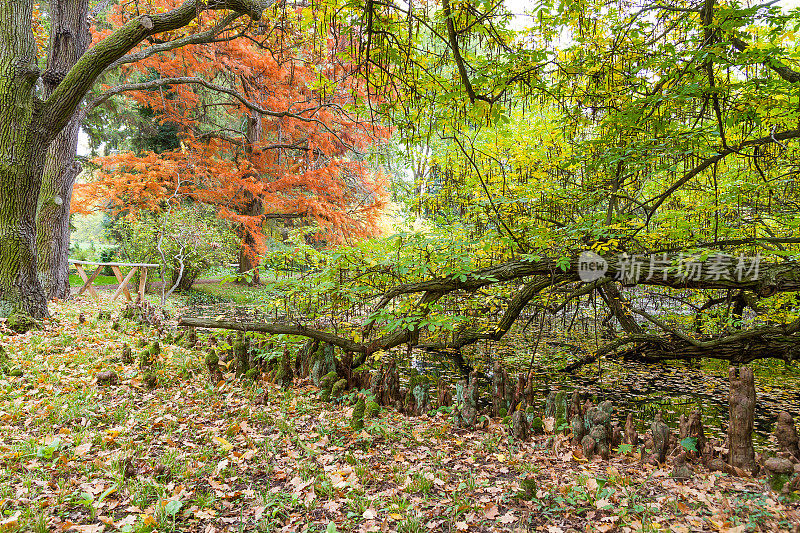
190, 455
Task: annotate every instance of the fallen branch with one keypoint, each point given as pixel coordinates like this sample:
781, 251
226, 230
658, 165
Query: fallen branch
276, 329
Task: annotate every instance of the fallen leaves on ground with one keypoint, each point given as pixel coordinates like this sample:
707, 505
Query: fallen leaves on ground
195, 456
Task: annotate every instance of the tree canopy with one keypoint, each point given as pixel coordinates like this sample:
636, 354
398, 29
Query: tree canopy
274, 129
650, 134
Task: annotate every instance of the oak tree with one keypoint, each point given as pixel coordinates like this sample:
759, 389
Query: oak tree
31, 119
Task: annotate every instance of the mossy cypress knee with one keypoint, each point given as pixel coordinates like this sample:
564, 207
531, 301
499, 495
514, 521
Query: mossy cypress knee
212, 363
373, 409
190, 340
127, 355
338, 388
326, 384
357, 420
151, 380
284, 375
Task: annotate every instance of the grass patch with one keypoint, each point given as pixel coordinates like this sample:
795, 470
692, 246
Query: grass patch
76, 281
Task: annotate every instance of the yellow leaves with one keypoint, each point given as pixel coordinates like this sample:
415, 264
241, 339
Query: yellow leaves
111, 435
222, 443
604, 247
10, 523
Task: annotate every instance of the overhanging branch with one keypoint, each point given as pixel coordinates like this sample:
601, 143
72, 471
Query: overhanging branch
66, 97
249, 104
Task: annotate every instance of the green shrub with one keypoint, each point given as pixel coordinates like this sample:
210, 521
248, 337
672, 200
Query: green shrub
192, 232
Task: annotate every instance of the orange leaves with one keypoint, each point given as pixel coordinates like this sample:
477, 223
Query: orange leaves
40, 32
245, 164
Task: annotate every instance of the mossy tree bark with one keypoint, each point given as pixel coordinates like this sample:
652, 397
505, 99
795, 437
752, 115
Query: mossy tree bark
69, 39
29, 124
23, 142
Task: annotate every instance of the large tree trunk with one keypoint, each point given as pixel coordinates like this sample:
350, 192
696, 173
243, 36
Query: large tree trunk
248, 260
23, 142
619, 307
248, 257
28, 125
69, 39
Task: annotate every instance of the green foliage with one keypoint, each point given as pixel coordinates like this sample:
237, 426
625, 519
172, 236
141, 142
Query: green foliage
624, 449
689, 444
47, 451
191, 234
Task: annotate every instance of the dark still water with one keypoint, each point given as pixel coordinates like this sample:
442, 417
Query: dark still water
643, 389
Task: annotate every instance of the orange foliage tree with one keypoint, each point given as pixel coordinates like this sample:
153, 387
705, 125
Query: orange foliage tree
277, 127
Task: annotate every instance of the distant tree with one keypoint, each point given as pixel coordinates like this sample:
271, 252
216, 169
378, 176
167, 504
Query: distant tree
275, 129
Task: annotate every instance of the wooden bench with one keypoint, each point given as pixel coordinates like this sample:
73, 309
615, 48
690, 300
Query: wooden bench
115, 267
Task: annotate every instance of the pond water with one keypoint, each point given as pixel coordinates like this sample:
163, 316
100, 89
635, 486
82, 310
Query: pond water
672, 388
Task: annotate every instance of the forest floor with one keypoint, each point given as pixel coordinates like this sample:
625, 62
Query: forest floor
191, 455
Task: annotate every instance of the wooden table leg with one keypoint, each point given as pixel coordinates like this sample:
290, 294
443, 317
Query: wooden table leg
123, 286
142, 283
87, 282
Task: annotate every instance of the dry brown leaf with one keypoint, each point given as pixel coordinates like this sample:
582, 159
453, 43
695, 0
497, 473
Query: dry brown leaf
491, 512
12, 522
83, 449
508, 518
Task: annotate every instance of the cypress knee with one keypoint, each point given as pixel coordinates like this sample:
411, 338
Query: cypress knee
741, 408
519, 424
786, 435
444, 399
661, 434
631, 436
498, 389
